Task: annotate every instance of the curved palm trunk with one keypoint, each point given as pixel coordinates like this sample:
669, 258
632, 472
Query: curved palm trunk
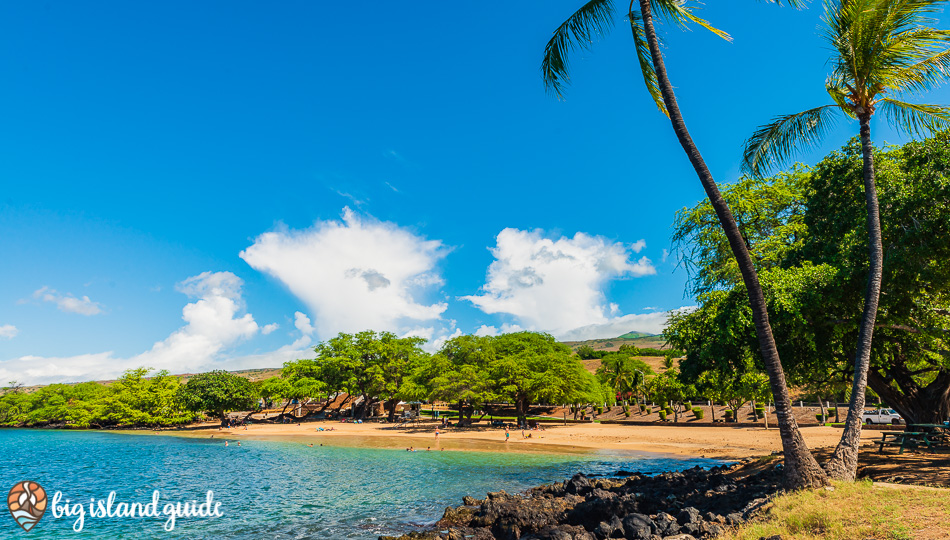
801, 469
844, 462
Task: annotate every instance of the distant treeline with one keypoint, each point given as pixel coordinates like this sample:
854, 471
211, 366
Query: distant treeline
135, 399
586, 352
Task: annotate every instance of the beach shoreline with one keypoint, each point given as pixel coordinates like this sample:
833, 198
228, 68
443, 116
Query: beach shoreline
727, 443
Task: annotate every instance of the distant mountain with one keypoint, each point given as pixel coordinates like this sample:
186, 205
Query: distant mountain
635, 335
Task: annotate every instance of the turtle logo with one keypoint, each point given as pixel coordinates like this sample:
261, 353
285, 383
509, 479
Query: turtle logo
27, 503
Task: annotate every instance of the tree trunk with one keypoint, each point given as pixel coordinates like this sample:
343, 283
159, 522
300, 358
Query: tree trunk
801, 470
917, 405
844, 462
391, 405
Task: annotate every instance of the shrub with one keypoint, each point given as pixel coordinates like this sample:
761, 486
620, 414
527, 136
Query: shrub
667, 410
821, 417
626, 409
760, 412
728, 413
600, 410
626, 413
663, 415
689, 404
643, 407
698, 413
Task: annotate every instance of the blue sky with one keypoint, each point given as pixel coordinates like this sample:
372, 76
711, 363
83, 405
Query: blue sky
224, 184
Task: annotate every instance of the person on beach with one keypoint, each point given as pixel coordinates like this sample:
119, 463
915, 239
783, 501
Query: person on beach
507, 434
436, 433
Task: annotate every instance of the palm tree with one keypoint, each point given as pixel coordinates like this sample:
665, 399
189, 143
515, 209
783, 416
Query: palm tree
881, 48
801, 469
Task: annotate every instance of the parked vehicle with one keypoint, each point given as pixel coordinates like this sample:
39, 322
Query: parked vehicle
882, 416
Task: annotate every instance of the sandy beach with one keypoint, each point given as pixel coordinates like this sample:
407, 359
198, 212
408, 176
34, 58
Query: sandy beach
712, 442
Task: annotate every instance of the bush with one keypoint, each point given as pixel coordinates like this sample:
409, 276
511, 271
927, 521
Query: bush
663, 415
667, 410
689, 404
698, 413
600, 410
626, 413
760, 412
626, 409
821, 417
643, 407
728, 413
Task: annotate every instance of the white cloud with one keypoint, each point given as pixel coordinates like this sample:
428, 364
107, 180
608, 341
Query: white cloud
67, 302
8, 331
556, 285
268, 328
212, 325
485, 330
355, 274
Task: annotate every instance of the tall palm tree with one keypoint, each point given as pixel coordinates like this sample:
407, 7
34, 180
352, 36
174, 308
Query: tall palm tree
596, 16
880, 48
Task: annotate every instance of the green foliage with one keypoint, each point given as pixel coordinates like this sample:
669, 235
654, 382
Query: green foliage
217, 392
698, 413
132, 400
622, 373
663, 415
586, 352
137, 400
807, 233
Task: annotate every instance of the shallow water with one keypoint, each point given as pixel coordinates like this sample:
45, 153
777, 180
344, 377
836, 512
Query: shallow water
274, 489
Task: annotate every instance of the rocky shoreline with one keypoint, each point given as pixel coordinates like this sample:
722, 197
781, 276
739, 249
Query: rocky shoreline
693, 504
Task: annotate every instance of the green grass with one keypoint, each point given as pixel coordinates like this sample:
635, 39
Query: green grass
854, 511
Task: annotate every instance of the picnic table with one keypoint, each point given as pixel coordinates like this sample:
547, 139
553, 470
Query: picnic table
937, 433
906, 439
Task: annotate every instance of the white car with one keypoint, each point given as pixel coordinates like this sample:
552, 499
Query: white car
882, 416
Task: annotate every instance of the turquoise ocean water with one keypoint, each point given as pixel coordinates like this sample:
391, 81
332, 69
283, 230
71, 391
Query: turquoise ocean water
278, 490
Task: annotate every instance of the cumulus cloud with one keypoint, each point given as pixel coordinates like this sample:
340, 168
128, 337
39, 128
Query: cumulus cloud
268, 328
213, 323
67, 302
355, 274
8, 331
556, 285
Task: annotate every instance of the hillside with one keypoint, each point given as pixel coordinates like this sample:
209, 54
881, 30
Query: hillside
644, 341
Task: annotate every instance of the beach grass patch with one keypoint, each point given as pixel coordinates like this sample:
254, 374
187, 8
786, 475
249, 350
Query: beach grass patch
853, 511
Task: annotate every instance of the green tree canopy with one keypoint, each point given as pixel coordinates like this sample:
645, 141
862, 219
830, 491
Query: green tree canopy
218, 392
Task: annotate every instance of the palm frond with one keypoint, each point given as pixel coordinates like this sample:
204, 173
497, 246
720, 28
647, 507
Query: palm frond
593, 18
918, 60
915, 118
646, 60
678, 12
834, 88
772, 144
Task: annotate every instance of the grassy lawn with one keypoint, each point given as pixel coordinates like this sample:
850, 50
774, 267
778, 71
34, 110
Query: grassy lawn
855, 511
